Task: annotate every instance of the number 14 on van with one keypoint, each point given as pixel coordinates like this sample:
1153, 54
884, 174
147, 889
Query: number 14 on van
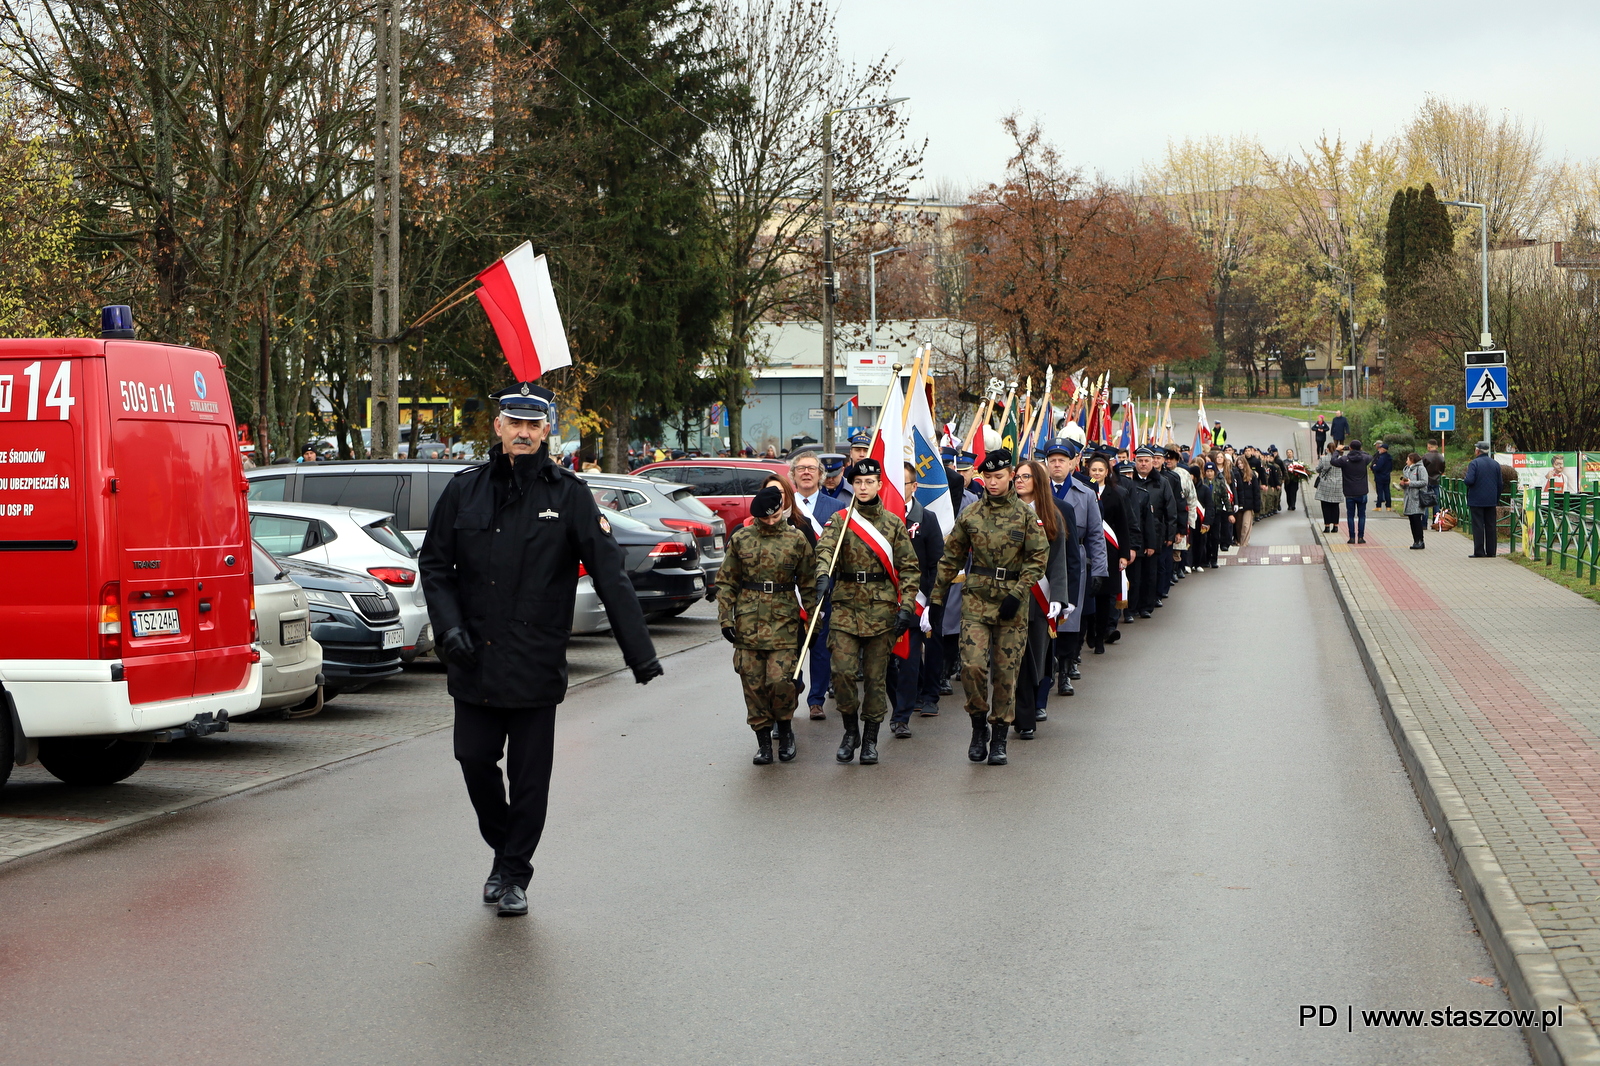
59, 396
137, 397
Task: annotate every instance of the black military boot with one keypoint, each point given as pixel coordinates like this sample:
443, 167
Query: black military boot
785, 741
1063, 682
979, 749
869, 743
851, 741
997, 743
1073, 672
763, 747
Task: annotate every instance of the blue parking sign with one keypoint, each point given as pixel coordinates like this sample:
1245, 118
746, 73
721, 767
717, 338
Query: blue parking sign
1486, 387
1442, 418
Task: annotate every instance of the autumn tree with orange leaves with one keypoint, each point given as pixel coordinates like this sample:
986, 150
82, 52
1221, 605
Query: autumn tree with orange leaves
1077, 274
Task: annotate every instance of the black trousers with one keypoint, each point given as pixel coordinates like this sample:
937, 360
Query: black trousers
1291, 490
1484, 534
525, 738
1330, 512
1419, 522
1143, 590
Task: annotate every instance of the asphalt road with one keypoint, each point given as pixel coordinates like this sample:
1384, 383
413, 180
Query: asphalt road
1215, 831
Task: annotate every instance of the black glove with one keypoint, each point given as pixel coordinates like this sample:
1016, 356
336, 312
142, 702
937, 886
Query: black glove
903, 622
729, 635
1008, 608
1097, 585
458, 650
824, 586
644, 673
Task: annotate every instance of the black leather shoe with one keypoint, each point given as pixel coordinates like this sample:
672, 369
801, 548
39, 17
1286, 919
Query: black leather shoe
997, 743
514, 904
785, 741
1146, 614
851, 741
944, 687
1113, 636
1041, 715
869, 743
763, 747
1073, 672
1068, 689
901, 730
494, 888
1025, 734
978, 750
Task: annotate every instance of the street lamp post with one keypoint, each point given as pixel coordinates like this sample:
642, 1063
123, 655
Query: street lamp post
872, 291
1485, 339
829, 408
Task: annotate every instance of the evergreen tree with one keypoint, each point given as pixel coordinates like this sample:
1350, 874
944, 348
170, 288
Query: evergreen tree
1417, 233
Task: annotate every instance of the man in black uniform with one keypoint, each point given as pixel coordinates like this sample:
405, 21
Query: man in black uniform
1147, 507
500, 570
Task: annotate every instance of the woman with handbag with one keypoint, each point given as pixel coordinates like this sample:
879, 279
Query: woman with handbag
1329, 489
1418, 498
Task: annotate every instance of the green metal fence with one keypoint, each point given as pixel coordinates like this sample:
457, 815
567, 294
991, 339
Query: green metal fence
1566, 528
1512, 521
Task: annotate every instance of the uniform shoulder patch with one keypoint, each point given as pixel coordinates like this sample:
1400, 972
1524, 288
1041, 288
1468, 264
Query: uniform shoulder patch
605, 525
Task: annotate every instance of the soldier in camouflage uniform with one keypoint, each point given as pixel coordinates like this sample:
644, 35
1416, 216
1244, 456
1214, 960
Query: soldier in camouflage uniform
1008, 554
767, 564
869, 611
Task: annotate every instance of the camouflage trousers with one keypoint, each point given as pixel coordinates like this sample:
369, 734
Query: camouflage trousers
993, 653
872, 653
768, 679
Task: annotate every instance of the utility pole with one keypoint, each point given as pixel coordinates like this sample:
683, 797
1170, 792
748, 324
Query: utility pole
385, 420
1485, 339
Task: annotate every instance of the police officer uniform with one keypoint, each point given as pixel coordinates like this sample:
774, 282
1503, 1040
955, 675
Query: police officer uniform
500, 571
1002, 548
759, 612
834, 481
871, 608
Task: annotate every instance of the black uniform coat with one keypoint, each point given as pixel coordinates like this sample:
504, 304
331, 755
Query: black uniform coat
501, 561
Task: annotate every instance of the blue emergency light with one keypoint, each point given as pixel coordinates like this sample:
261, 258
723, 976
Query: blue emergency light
116, 322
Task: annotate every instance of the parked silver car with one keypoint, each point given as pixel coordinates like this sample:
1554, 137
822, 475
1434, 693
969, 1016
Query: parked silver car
291, 660
666, 506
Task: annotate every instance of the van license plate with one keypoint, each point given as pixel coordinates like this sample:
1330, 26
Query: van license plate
156, 623
292, 632
699, 584
393, 637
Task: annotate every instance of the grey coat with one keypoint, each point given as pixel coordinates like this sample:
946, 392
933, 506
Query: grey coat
1330, 487
1414, 479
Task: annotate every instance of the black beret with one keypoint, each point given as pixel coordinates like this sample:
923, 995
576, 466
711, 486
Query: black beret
866, 467
999, 459
767, 502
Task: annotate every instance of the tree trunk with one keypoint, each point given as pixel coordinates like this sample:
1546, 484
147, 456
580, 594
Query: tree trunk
616, 437
264, 391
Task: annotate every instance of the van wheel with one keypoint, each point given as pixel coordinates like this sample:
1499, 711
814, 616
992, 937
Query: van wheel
92, 760
8, 743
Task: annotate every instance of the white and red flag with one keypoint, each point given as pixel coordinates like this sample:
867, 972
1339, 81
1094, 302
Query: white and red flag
889, 449
521, 305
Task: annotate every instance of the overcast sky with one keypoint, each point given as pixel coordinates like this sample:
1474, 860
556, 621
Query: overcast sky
1112, 81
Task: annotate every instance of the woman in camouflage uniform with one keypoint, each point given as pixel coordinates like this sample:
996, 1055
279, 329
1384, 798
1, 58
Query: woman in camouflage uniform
768, 566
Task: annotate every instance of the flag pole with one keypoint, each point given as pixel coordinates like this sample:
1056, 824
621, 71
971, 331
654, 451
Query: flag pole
916, 374
833, 560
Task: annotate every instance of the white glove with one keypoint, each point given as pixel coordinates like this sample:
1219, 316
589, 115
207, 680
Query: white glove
925, 623
1055, 609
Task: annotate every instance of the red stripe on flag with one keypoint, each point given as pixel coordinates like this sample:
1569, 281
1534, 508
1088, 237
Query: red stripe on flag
504, 308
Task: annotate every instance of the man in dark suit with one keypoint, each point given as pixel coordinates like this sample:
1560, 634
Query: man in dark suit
1340, 428
1483, 496
813, 501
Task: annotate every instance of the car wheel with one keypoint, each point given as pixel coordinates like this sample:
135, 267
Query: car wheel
92, 760
8, 743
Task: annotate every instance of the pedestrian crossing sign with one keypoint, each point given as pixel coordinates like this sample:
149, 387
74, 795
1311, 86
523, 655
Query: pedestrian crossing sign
1486, 387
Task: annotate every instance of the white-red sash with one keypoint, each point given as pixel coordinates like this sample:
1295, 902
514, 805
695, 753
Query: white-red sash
1041, 596
874, 539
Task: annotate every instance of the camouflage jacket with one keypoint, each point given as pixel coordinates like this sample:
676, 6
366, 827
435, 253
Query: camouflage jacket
867, 609
766, 621
997, 531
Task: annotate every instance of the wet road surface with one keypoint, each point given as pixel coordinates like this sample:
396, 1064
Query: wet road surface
1215, 831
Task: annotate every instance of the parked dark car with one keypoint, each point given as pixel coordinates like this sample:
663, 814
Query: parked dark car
356, 621
664, 567
665, 506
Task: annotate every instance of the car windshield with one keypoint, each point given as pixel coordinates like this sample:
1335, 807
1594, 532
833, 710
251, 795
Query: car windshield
384, 532
684, 497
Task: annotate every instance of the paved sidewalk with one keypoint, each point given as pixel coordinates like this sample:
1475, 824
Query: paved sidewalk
1489, 677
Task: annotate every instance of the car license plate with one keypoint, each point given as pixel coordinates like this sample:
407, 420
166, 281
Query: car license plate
292, 632
717, 542
156, 623
393, 637
698, 584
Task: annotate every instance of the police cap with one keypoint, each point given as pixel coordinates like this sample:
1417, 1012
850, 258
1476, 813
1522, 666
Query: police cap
861, 440
965, 460
1064, 447
767, 502
832, 462
527, 401
1149, 449
999, 459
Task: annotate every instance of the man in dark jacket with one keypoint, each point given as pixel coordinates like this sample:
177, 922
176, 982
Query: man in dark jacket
1103, 615
1353, 463
1147, 498
1433, 463
1483, 496
1319, 429
914, 680
1340, 428
1383, 476
500, 572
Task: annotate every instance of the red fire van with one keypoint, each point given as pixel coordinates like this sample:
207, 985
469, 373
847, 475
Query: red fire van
125, 588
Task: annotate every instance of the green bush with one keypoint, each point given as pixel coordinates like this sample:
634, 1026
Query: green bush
1397, 435
1372, 420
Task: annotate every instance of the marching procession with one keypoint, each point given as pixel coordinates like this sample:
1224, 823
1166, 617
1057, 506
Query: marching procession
994, 565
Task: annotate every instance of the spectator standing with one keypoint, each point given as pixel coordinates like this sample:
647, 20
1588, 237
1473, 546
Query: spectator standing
1329, 489
1319, 429
1414, 482
1353, 463
1382, 475
1340, 428
1433, 463
1294, 472
1483, 496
